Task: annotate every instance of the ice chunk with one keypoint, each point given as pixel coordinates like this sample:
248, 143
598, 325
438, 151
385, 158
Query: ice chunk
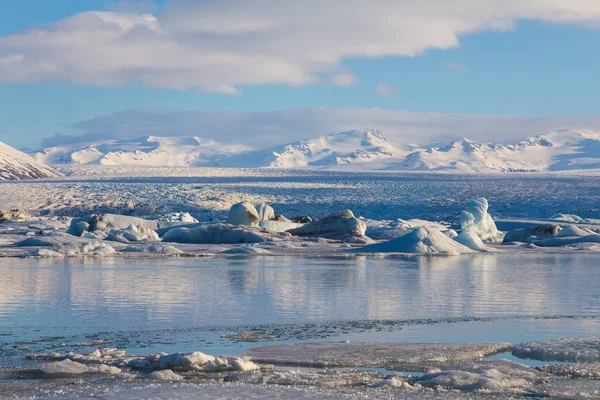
247, 250
107, 222
392, 355
580, 370
265, 212
472, 241
424, 240
195, 361
526, 234
277, 226
71, 367
70, 246
243, 214
341, 225
159, 249
572, 230
565, 241
166, 375
578, 349
219, 233
497, 376
475, 219
567, 218
133, 233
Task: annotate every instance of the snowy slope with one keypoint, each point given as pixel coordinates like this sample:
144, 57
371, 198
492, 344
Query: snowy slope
361, 149
361, 146
16, 165
149, 151
557, 151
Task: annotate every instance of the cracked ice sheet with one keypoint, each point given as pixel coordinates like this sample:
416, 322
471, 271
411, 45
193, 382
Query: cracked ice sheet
572, 389
152, 390
390, 356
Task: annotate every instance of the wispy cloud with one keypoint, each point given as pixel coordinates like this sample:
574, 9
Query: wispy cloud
454, 66
385, 89
344, 80
219, 45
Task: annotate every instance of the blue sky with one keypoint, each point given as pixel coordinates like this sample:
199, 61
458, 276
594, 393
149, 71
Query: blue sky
537, 67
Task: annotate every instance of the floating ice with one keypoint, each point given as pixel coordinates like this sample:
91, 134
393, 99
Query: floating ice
526, 235
475, 219
71, 367
265, 212
341, 225
579, 349
158, 249
391, 356
243, 214
69, 246
424, 240
278, 226
133, 233
471, 241
494, 376
247, 250
219, 233
106, 222
195, 361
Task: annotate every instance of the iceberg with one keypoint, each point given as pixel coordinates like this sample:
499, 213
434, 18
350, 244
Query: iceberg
424, 240
475, 219
243, 214
341, 225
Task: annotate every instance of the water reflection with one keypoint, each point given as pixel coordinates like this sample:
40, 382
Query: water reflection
119, 294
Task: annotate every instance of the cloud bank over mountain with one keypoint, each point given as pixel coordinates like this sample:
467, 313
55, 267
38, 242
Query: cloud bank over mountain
265, 129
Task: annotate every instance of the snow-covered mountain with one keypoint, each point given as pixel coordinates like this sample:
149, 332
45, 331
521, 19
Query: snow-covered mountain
361, 149
556, 151
149, 151
16, 165
360, 146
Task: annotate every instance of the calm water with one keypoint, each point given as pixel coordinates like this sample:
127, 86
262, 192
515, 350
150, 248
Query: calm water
187, 304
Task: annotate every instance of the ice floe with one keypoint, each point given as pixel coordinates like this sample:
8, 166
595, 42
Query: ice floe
68, 367
68, 246
392, 356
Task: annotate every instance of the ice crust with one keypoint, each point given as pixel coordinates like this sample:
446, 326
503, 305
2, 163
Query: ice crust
579, 349
392, 356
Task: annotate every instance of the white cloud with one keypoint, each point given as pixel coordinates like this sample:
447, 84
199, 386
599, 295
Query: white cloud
214, 45
386, 89
454, 66
264, 129
344, 80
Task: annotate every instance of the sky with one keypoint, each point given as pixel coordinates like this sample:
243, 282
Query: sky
72, 67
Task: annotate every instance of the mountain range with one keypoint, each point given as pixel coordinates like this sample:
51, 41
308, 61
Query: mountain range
16, 165
361, 149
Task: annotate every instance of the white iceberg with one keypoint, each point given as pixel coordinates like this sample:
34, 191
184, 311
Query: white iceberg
106, 222
341, 225
194, 361
475, 219
243, 214
424, 240
278, 226
219, 233
265, 212
133, 233
526, 234
68, 246
471, 241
